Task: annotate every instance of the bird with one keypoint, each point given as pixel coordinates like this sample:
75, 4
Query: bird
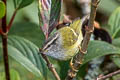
65, 43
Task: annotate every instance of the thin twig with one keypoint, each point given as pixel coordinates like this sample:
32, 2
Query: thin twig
4, 45
78, 60
12, 18
108, 75
50, 66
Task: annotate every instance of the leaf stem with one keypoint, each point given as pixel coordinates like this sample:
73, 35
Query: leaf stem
12, 18
78, 60
4, 44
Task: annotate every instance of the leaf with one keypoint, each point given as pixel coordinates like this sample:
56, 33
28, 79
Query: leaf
26, 53
25, 3
14, 75
21, 3
114, 23
107, 6
16, 3
64, 66
116, 58
49, 13
116, 42
2, 9
99, 48
24, 29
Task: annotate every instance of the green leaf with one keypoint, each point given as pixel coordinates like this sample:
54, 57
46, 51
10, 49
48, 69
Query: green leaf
107, 6
26, 53
116, 42
2, 9
16, 3
114, 23
99, 48
14, 75
49, 13
24, 29
22, 3
25, 3
64, 66
116, 58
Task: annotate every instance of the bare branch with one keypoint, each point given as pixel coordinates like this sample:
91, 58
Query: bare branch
78, 60
50, 66
11, 20
108, 75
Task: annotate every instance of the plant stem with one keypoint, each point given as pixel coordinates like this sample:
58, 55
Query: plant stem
78, 60
108, 75
50, 66
4, 44
12, 18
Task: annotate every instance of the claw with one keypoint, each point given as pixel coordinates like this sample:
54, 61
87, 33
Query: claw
71, 65
84, 52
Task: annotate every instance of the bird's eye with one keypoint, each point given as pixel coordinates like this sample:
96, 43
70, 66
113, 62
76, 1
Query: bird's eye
66, 24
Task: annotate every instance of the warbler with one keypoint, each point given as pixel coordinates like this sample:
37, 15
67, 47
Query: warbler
65, 42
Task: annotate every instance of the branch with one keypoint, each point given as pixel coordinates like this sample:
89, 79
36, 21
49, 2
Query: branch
109, 75
4, 45
78, 60
50, 66
12, 18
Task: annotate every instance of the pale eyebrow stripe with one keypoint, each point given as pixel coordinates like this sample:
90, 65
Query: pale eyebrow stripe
50, 42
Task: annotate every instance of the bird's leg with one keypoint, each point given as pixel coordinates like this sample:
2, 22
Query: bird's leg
71, 65
84, 52
79, 47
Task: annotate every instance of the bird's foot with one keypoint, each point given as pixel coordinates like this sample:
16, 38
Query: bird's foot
71, 65
84, 52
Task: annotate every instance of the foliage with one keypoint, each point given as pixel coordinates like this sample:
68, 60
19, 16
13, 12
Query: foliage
114, 23
2, 9
26, 53
14, 75
21, 3
106, 8
49, 13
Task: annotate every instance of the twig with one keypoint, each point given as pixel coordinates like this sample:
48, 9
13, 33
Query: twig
12, 18
84, 5
4, 44
50, 66
78, 60
108, 75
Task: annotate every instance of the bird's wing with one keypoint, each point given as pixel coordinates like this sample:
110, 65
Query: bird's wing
68, 36
51, 40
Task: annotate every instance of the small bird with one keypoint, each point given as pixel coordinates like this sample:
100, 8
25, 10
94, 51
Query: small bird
65, 42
